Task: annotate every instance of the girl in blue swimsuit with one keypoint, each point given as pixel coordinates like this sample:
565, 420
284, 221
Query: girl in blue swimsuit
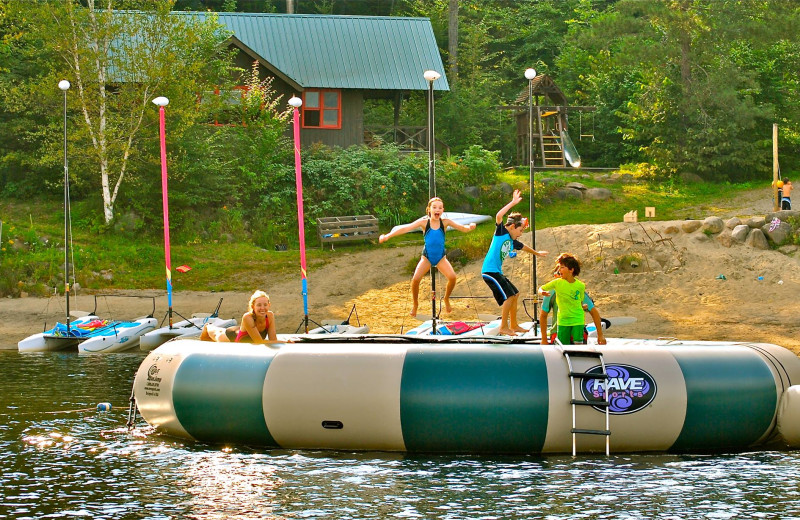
433, 227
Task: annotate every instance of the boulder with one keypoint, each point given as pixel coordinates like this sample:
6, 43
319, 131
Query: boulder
455, 254
778, 233
569, 193
597, 194
740, 232
504, 188
713, 225
472, 191
672, 230
784, 214
725, 238
733, 222
691, 178
757, 240
576, 185
756, 222
690, 226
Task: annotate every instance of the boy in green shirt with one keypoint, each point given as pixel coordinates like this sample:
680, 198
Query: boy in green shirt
569, 296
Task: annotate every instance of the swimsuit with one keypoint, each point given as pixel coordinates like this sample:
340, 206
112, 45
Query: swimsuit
434, 243
786, 203
241, 336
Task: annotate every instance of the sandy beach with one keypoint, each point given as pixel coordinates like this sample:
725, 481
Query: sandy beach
669, 281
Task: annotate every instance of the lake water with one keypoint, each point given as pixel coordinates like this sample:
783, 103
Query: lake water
61, 458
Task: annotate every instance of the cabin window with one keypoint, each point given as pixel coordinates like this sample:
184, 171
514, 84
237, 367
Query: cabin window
322, 109
225, 106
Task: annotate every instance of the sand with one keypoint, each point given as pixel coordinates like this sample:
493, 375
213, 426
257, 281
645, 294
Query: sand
667, 280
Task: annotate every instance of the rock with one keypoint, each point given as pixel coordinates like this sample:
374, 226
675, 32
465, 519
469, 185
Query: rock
740, 232
757, 240
690, 178
713, 225
778, 234
614, 177
569, 193
472, 191
783, 215
756, 222
504, 188
690, 226
549, 180
733, 222
455, 254
598, 194
76, 287
672, 230
725, 238
700, 237
107, 275
789, 249
576, 185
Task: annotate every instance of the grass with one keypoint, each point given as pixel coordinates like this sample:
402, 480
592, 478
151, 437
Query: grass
32, 255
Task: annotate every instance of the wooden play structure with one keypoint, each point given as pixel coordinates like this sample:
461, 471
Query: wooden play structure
550, 125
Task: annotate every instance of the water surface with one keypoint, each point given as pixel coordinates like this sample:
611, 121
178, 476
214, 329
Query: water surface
61, 458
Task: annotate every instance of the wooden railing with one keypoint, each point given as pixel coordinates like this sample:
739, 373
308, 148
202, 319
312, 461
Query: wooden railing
407, 138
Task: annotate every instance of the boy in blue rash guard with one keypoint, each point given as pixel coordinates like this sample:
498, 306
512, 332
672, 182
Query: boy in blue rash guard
503, 242
433, 227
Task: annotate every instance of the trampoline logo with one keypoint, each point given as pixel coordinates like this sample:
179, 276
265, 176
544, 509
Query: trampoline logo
629, 388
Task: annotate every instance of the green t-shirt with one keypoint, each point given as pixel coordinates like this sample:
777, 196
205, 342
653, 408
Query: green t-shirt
569, 298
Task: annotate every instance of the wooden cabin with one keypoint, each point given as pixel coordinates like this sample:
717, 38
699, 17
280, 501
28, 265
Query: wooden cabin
548, 118
334, 63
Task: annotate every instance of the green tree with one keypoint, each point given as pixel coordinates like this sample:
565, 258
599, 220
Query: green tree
118, 59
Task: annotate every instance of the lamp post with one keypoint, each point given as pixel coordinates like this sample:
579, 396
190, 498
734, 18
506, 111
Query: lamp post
431, 76
162, 102
64, 85
529, 75
296, 103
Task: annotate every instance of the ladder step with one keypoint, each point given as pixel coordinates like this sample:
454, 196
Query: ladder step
591, 432
583, 353
588, 375
590, 403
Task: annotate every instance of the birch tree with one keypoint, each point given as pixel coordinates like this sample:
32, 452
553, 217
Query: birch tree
119, 59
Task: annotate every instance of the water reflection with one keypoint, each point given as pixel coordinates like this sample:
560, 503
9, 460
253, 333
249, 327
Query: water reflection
59, 457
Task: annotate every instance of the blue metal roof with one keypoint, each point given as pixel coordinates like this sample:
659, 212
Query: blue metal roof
358, 52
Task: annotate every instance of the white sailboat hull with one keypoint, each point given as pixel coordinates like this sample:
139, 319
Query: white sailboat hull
120, 338
189, 327
48, 342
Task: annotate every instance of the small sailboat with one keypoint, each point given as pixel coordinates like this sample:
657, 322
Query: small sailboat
189, 327
67, 335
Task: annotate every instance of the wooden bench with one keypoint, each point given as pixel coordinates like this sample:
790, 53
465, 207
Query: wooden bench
346, 229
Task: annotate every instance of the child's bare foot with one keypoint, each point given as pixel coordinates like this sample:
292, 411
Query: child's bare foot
506, 332
519, 329
447, 308
413, 312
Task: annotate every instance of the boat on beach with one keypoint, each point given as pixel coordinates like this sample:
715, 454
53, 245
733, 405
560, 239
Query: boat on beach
481, 394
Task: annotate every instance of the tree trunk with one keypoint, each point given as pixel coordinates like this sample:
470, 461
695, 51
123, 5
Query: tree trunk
289, 6
452, 43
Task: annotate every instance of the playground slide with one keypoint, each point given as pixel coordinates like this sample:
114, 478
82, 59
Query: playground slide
570, 152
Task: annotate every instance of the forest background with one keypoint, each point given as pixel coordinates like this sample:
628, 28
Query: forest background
680, 86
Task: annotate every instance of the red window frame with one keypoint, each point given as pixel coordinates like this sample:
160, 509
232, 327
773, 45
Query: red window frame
322, 108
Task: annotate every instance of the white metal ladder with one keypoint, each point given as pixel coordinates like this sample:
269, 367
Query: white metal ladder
580, 377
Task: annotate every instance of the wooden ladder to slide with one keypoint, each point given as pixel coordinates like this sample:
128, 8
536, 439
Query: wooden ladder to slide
552, 151
579, 377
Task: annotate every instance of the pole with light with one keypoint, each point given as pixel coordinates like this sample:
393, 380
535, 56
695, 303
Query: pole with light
529, 75
296, 103
162, 102
431, 76
64, 85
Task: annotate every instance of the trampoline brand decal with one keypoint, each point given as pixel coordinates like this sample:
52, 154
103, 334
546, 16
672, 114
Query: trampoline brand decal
629, 388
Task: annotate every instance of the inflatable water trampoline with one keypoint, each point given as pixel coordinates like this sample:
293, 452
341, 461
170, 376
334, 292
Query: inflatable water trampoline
474, 395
